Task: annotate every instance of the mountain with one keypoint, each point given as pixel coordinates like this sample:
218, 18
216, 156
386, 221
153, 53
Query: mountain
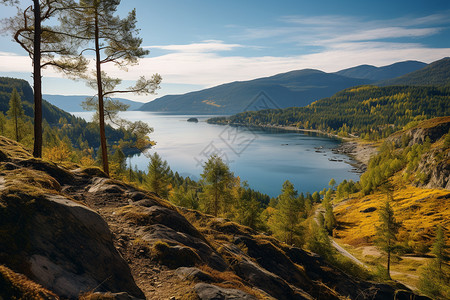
382, 73
291, 89
295, 88
436, 73
73, 103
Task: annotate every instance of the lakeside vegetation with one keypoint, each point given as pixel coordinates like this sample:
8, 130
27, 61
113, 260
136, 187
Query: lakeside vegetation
368, 112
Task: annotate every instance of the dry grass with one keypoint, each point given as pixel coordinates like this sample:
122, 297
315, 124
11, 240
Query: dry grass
420, 211
18, 286
12, 149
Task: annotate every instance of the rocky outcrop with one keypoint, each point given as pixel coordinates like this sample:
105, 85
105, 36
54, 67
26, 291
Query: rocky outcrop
433, 170
57, 242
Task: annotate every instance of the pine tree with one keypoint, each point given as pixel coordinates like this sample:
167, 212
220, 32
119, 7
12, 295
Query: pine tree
113, 40
15, 112
286, 220
47, 46
386, 232
158, 175
217, 182
439, 249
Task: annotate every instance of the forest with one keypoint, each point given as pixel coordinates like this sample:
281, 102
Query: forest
367, 112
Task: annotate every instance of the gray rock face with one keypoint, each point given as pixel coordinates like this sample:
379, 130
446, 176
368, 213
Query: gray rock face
64, 246
211, 292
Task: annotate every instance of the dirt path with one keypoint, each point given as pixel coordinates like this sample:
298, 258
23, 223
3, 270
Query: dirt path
347, 254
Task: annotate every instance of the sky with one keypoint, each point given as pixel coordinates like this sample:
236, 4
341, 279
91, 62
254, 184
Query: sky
195, 44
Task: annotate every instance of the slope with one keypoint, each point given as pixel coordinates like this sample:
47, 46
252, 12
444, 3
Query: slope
173, 253
76, 128
436, 73
382, 73
415, 163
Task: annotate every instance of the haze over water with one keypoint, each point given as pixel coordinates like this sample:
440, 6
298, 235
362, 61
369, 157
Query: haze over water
263, 158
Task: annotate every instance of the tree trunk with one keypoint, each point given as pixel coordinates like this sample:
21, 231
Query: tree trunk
101, 111
17, 128
389, 264
37, 83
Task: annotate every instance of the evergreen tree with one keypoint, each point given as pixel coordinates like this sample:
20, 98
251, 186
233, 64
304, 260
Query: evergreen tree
217, 181
113, 40
15, 112
2, 123
386, 232
42, 42
439, 249
158, 175
286, 220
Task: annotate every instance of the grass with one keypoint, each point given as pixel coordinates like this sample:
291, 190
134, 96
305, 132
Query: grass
18, 286
12, 149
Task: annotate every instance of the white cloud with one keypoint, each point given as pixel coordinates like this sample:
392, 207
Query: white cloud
204, 46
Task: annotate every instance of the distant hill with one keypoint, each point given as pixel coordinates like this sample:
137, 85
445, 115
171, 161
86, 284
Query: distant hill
292, 89
296, 88
51, 113
436, 73
382, 73
73, 103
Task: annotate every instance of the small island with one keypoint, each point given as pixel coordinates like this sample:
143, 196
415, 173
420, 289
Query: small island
195, 120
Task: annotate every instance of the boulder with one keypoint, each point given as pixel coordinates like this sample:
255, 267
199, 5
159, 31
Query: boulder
62, 245
211, 292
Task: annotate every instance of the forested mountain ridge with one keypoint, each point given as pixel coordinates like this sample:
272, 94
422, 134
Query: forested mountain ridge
382, 73
296, 88
369, 112
436, 73
82, 134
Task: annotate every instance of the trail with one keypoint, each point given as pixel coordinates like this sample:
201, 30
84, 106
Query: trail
347, 254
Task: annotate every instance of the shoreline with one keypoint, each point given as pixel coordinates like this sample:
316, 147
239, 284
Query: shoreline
359, 151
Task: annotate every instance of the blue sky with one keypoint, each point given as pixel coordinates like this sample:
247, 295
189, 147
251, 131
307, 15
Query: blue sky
198, 43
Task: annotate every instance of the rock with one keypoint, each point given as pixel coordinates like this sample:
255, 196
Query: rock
199, 248
266, 281
193, 274
368, 210
62, 245
209, 292
112, 296
194, 120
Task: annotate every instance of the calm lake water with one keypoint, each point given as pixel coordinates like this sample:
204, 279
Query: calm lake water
263, 158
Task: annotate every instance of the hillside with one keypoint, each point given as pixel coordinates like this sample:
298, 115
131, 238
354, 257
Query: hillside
382, 73
369, 112
296, 88
51, 113
415, 162
80, 229
76, 129
436, 73
73, 103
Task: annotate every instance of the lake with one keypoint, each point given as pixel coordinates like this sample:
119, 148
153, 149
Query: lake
263, 158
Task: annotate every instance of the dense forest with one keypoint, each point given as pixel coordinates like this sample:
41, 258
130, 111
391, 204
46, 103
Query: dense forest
369, 112
58, 124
